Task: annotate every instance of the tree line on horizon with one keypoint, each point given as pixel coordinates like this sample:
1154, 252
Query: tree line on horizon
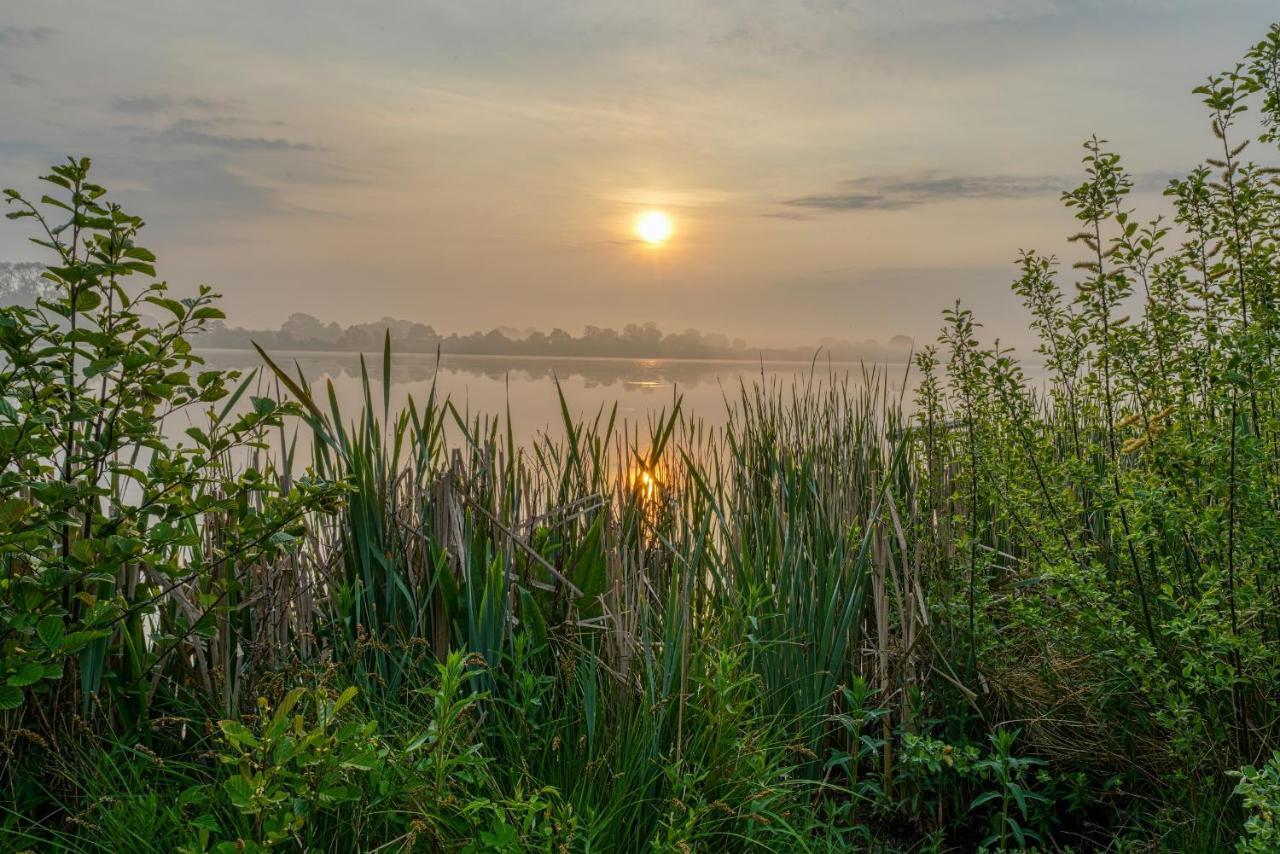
21, 285
635, 340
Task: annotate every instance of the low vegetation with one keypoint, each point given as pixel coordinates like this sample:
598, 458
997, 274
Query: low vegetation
1002, 615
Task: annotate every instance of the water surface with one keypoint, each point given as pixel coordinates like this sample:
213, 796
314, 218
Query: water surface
641, 388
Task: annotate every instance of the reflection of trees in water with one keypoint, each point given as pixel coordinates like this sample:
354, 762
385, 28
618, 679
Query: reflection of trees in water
635, 374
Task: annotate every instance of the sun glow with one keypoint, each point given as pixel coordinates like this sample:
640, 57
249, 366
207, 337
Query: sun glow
654, 227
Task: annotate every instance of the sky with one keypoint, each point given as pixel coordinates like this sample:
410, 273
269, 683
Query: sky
840, 168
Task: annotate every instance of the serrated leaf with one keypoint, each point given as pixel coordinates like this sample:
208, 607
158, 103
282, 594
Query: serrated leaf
51, 632
238, 734
28, 674
10, 697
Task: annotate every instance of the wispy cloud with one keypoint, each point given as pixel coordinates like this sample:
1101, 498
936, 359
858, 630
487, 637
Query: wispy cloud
167, 186
194, 134
17, 78
896, 192
23, 36
14, 38
148, 104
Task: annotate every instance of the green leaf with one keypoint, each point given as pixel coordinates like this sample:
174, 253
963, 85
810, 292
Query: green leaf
263, 405
12, 510
366, 760
589, 569
76, 640
985, 797
51, 632
345, 697
178, 309
1018, 796
336, 794
238, 734
87, 300
137, 253
286, 706
10, 697
240, 791
28, 674
1017, 831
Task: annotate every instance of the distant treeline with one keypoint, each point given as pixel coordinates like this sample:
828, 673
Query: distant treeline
304, 332
21, 284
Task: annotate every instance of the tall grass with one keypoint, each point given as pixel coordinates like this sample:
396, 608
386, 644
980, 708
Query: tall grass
637, 575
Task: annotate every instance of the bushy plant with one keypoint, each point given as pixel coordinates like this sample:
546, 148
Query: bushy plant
1259, 789
1111, 574
112, 567
297, 760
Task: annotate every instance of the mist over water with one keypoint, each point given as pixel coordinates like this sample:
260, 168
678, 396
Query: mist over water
643, 389
494, 385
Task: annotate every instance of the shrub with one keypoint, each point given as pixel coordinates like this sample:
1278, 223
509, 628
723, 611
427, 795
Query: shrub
120, 547
294, 764
1259, 788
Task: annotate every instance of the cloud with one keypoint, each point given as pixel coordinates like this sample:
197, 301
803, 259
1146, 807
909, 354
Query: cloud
23, 148
147, 104
896, 192
192, 133
13, 38
17, 78
1156, 182
23, 36
170, 186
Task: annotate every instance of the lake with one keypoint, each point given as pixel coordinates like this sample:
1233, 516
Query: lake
488, 384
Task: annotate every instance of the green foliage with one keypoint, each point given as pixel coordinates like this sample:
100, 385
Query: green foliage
1012, 784
102, 516
1259, 788
298, 760
1112, 568
446, 766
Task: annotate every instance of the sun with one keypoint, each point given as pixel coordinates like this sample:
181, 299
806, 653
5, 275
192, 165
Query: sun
654, 227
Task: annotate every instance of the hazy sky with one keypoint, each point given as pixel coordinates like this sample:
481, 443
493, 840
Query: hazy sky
833, 167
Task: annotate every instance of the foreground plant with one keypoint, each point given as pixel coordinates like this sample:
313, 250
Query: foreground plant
299, 760
1259, 789
120, 548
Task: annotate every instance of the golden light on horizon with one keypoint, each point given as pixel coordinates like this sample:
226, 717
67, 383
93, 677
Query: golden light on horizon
654, 227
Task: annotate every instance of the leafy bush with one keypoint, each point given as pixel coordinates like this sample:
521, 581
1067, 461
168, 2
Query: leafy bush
1260, 790
294, 764
1112, 568
118, 545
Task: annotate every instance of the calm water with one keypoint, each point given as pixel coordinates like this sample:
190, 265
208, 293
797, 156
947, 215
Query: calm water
642, 388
